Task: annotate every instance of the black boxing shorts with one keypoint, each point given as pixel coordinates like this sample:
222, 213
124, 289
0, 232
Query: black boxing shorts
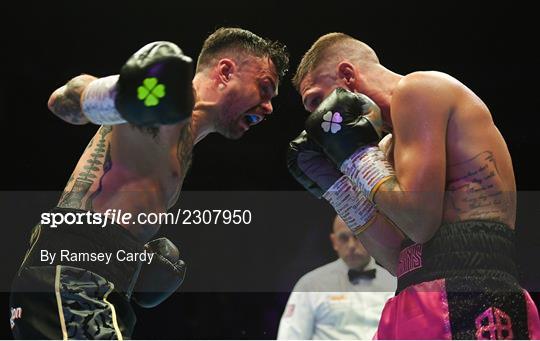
462, 284
69, 298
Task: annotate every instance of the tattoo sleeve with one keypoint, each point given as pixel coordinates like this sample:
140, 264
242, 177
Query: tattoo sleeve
66, 101
99, 161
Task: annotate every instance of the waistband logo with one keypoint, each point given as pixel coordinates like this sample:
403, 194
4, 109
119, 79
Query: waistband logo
410, 258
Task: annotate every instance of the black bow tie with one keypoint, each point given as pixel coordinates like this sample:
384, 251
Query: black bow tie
355, 275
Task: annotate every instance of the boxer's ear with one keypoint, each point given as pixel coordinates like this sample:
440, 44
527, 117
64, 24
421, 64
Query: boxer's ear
346, 72
226, 69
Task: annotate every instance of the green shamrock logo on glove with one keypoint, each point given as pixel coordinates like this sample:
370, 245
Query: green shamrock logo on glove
150, 91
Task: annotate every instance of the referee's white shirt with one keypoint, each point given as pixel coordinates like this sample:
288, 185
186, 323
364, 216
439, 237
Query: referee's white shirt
325, 305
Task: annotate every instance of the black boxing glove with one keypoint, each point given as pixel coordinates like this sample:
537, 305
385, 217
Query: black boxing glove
339, 124
154, 88
312, 169
341, 127
162, 277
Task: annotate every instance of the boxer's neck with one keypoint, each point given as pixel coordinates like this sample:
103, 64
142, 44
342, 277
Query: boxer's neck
206, 107
378, 84
201, 125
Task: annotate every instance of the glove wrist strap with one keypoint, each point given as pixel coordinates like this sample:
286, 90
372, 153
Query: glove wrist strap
98, 101
355, 210
368, 169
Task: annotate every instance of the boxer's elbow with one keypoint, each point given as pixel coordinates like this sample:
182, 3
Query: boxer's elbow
65, 103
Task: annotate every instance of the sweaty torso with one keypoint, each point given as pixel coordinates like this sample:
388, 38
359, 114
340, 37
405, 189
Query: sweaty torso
127, 169
479, 180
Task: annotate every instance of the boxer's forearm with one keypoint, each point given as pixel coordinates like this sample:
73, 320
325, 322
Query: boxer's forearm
417, 214
65, 102
383, 242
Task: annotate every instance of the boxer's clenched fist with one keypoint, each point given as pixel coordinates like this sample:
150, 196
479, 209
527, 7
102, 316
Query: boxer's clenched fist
311, 168
162, 277
341, 127
154, 88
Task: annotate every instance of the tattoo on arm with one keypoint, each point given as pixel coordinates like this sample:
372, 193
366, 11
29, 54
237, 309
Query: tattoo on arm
107, 165
94, 165
66, 101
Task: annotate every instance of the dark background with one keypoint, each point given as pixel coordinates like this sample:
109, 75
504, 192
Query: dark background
488, 47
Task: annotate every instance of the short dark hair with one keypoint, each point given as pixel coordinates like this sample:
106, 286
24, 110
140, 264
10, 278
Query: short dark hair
230, 38
315, 55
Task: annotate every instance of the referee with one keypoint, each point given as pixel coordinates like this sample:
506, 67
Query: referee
340, 300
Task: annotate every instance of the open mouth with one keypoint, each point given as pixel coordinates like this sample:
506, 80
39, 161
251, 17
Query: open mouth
252, 119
